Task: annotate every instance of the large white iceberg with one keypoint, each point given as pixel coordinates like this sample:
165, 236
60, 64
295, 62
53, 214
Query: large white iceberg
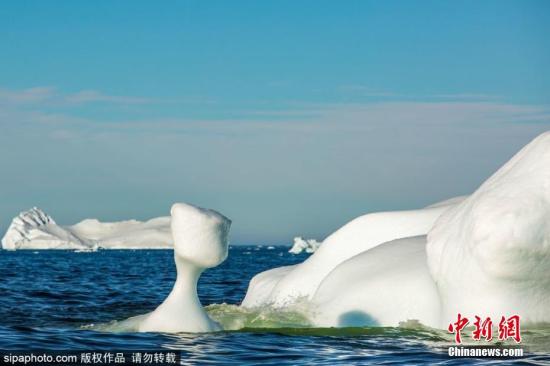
357, 236
34, 229
487, 254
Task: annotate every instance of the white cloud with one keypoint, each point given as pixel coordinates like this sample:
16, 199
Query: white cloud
51, 96
468, 96
31, 95
62, 135
90, 96
357, 118
365, 91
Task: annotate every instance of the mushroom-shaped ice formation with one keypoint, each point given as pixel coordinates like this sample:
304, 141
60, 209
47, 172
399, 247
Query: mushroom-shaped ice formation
200, 242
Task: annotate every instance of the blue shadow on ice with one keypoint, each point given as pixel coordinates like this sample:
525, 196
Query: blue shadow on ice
356, 318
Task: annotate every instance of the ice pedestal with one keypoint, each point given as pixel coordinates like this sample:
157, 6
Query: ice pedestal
200, 242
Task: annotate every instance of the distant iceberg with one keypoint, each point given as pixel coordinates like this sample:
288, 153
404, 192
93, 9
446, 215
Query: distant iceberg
301, 244
34, 229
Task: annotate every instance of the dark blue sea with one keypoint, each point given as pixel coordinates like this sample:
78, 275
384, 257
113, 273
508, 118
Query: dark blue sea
61, 300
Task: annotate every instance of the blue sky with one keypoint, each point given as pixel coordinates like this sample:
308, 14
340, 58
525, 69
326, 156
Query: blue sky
291, 117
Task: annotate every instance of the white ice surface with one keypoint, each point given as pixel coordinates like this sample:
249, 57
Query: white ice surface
200, 242
490, 254
130, 234
261, 286
300, 245
385, 285
487, 254
355, 237
34, 229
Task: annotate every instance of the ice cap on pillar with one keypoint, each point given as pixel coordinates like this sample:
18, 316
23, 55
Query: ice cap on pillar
200, 235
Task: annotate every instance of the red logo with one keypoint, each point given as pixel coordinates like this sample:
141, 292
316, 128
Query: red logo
509, 328
483, 328
457, 327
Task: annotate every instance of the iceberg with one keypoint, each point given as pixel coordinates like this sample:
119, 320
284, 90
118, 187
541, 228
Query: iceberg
261, 286
34, 229
486, 254
357, 236
490, 254
385, 285
200, 242
129, 234
300, 245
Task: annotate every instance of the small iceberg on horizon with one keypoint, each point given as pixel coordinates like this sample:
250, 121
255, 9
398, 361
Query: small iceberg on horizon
300, 245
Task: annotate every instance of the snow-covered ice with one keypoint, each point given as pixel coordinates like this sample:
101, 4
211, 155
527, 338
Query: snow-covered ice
34, 229
491, 253
261, 286
357, 236
486, 254
200, 242
129, 234
382, 286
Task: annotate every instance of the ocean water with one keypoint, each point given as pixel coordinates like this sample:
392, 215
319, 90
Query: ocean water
62, 300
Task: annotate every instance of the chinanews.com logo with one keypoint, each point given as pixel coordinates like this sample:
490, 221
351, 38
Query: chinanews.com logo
508, 328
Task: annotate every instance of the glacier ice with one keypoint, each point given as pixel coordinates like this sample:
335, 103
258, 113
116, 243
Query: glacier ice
261, 286
300, 245
486, 254
355, 237
490, 254
34, 229
381, 286
200, 242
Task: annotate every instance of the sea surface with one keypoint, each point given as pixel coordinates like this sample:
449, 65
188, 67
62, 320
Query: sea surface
63, 300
